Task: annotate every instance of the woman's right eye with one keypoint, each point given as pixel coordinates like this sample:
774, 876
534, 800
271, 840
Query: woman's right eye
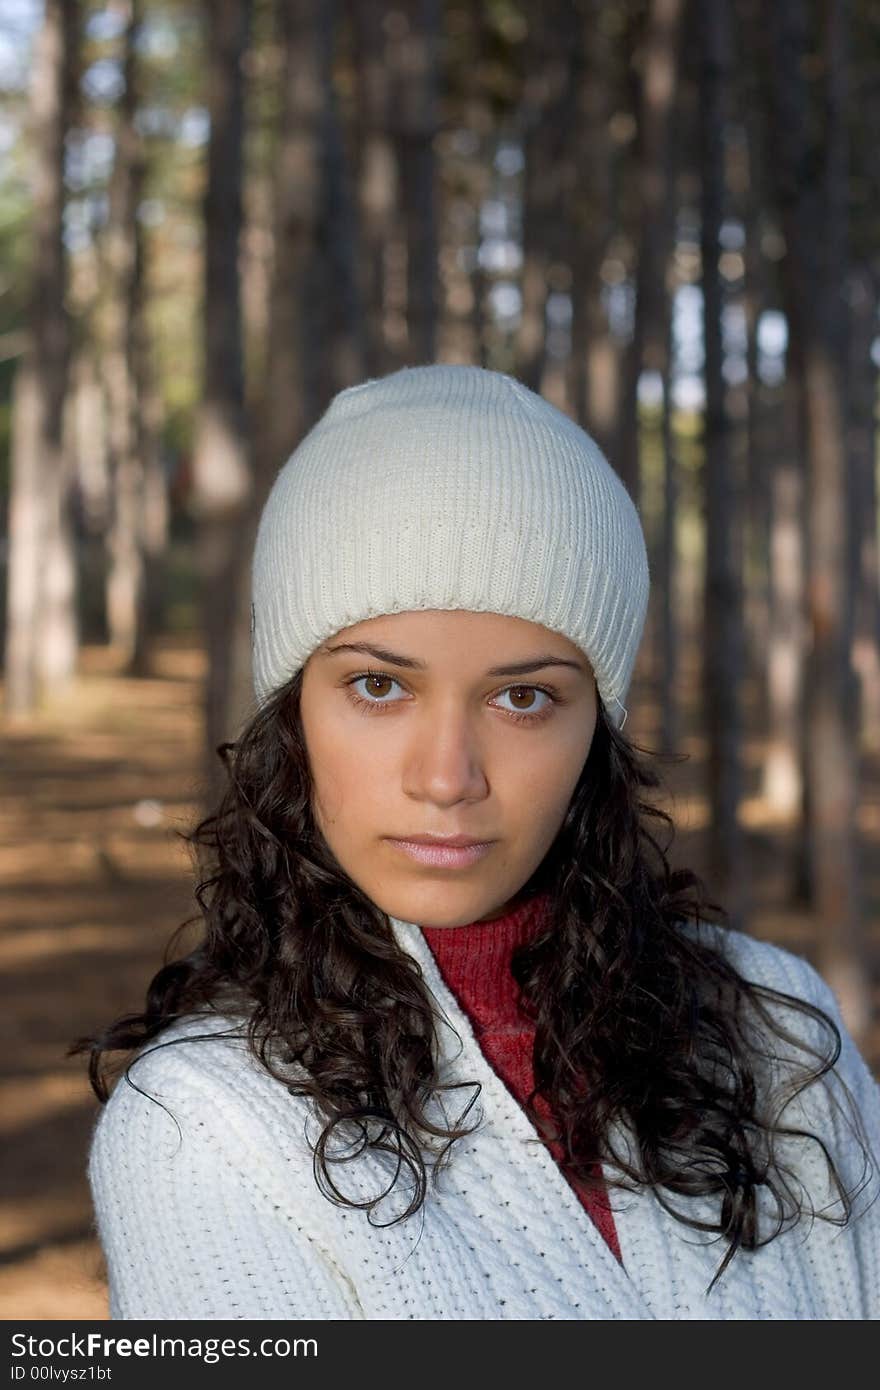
373, 680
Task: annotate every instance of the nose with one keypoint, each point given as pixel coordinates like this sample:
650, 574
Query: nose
444, 762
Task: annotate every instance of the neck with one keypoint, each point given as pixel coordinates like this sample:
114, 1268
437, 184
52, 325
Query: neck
475, 960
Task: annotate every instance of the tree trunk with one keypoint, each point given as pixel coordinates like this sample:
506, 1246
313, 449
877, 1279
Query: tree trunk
531, 346
774, 489
786, 636
723, 646
287, 409
377, 181
862, 376
126, 578
222, 481
814, 224
651, 346
657, 87
469, 177
593, 365
414, 56
89, 444
596, 349
315, 325
41, 626
550, 185
155, 518
333, 316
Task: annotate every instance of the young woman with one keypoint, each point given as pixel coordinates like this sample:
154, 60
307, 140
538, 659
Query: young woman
456, 1043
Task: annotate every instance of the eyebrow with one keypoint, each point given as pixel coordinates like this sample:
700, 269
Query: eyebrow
519, 668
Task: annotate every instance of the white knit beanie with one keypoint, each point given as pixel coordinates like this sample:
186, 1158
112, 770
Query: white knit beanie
448, 486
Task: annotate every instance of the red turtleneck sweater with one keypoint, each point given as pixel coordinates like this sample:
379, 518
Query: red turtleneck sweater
474, 960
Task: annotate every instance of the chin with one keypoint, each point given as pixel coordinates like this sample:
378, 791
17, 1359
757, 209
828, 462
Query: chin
433, 914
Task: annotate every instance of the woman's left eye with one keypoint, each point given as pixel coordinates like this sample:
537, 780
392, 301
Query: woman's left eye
524, 715
530, 712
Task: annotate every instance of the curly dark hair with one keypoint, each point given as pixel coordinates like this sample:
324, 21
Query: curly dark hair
618, 993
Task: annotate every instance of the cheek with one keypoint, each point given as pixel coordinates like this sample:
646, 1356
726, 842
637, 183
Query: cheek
547, 769
544, 784
541, 809
349, 778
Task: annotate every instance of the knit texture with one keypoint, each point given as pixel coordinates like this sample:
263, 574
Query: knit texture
448, 487
207, 1207
475, 961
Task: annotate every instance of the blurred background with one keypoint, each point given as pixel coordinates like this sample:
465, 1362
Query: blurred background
664, 215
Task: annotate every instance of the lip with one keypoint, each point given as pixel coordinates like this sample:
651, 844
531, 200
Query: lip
458, 852
452, 841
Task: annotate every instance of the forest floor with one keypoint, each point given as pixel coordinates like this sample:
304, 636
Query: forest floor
94, 878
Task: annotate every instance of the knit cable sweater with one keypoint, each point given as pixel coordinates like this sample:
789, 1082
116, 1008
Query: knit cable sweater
207, 1207
475, 962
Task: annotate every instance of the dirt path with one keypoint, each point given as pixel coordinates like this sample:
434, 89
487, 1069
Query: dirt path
94, 881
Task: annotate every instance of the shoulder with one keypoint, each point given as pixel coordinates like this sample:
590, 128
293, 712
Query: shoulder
845, 1101
193, 1057
202, 1186
793, 981
794, 993
198, 1081
766, 964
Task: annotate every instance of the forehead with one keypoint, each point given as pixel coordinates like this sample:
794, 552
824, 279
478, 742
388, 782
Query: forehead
460, 632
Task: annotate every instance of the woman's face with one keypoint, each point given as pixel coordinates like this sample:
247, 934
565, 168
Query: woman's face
416, 733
